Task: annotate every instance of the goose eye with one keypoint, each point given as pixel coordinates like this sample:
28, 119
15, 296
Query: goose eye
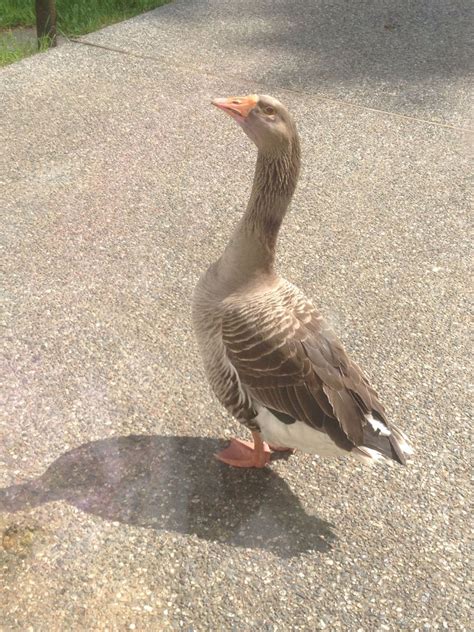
269, 110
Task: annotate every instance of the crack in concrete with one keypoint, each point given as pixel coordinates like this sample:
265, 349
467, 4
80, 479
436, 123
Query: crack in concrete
240, 79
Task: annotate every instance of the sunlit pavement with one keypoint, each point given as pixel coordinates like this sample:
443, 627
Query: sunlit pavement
120, 184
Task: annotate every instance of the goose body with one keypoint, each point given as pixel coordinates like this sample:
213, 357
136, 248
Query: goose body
269, 356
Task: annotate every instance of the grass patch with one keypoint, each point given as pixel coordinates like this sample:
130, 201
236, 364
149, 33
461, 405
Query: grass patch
17, 13
74, 17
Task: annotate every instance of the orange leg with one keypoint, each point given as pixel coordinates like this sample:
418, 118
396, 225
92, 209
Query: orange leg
245, 453
278, 449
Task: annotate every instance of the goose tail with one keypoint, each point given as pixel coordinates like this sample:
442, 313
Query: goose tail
383, 442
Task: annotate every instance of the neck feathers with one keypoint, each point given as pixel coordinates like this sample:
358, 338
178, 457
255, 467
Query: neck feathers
273, 187
250, 253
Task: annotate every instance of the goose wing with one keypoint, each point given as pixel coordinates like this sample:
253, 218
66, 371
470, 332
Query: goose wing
290, 361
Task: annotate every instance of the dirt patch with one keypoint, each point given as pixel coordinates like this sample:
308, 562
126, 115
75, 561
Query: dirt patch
22, 541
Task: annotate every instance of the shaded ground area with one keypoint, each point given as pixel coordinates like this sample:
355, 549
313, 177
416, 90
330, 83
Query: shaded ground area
119, 185
160, 483
407, 57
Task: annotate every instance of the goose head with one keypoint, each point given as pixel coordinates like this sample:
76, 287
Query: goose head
263, 118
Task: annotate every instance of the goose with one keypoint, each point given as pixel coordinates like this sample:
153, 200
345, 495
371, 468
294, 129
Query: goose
268, 354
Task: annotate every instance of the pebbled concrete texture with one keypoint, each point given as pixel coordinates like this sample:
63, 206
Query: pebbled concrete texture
407, 57
119, 185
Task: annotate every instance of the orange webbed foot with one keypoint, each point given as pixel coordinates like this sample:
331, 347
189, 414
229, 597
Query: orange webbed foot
241, 453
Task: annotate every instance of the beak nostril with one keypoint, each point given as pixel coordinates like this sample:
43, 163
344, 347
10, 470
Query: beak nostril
236, 101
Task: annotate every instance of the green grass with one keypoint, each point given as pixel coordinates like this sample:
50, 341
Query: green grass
74, 17
17, 13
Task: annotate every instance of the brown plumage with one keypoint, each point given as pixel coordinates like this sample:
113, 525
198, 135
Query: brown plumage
269, 356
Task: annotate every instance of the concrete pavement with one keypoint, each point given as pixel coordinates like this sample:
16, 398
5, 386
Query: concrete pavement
119, 185
411, 58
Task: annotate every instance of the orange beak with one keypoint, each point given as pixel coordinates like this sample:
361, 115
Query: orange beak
237, 107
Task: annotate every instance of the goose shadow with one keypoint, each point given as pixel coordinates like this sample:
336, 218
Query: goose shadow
171, 483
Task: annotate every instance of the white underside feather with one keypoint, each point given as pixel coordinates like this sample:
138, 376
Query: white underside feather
300, 436
297, 435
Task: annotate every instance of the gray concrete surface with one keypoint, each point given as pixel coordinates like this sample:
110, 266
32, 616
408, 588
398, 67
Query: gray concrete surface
119, 184
406, 57
22, 35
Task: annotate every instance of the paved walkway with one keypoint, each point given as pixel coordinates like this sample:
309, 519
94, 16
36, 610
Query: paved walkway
119, 184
